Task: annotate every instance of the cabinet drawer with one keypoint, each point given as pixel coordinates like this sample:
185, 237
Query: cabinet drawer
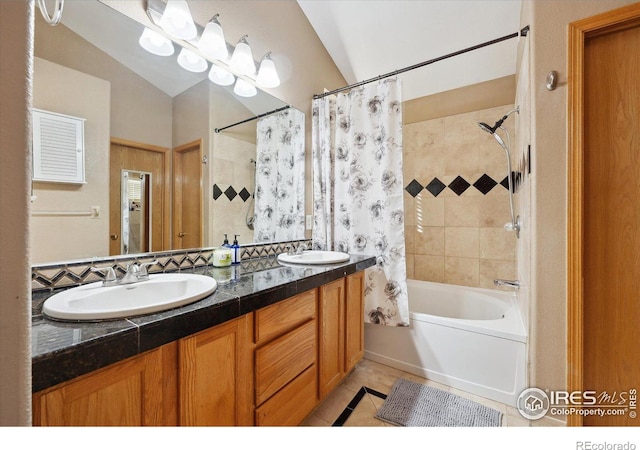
280, 361
285, 315
291, 405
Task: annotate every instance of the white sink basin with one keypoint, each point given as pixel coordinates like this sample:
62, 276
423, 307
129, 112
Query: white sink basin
314, 257
159, 293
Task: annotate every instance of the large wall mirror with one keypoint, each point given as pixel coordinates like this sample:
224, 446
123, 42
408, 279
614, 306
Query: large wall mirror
153, 157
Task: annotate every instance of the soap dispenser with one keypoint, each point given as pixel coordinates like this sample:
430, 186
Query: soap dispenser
235, 250
223, 255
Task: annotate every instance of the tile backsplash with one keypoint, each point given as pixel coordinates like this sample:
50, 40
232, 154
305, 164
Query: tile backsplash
74, 273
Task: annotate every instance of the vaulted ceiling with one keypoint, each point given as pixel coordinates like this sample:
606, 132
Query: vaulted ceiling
367, 38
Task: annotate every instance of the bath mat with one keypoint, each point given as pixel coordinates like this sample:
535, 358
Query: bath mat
411, 404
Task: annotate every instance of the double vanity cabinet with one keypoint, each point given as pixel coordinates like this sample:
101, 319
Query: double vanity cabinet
268, 367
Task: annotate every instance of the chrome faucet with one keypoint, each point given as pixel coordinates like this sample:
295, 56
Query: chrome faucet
292, 250
110, 278
508, 283
135, 273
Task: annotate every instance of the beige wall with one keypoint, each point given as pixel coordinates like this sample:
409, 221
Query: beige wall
548, 21
56, 238
15, 173
451, 238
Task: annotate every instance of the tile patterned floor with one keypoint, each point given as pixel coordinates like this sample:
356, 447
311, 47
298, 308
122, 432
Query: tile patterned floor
342, 408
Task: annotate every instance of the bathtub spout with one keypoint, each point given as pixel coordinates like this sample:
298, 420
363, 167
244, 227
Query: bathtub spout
509, 283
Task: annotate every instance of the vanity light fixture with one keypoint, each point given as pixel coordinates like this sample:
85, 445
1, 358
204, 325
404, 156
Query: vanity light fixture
174, 17
177, 21
244, 89
192, 62
267, 74
242, 58
212, 42
220, 76
155, 43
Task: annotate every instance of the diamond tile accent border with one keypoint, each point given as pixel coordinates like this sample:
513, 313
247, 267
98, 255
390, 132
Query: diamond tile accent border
414, 188
46, 277
230, 193
435, 187
485, 183
459, 185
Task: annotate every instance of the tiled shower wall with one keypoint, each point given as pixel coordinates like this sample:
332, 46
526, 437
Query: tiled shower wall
456, 201
233, 176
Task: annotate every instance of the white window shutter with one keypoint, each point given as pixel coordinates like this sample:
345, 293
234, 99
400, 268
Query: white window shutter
58, 148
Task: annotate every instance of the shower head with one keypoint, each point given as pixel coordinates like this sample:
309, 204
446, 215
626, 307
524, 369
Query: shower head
492, 131
486, 128
498, 124
514, 225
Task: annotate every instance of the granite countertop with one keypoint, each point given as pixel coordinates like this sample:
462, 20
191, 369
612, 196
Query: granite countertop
64, 350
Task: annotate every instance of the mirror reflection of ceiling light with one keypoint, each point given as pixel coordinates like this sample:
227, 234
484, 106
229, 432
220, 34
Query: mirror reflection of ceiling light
155, 43
267, 74
177, 21
212, 42
192, 62
174, 17
244, 89
220, 76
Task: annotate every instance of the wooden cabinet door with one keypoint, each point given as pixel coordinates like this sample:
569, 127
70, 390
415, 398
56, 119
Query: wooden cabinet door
134, 392
331, 336
354, 320
216, 373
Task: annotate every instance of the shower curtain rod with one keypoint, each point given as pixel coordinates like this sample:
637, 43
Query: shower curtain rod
523, 32
218, 130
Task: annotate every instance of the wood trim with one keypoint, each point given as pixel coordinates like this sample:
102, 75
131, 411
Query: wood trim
166, 158
140, 145
579, 31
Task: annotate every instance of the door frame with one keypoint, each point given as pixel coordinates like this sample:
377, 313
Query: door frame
166, 201
579, 32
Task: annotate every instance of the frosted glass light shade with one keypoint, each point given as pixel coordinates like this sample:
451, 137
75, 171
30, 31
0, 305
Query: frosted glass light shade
267, 74
242, 58
244, 89
155, 43
177, 21
192, 62
212, 42
220, 76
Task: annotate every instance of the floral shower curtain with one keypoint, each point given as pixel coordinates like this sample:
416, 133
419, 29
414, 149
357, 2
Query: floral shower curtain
358, 190
279, 194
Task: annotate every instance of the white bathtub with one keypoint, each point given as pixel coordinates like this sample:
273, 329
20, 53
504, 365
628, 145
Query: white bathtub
467, 338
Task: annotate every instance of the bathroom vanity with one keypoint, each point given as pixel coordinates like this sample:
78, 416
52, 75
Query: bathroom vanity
265, 349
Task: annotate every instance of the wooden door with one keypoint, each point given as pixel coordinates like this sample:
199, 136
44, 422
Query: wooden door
604, 303
141, 390
331, 336
143, 158
216, 373
187, 196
